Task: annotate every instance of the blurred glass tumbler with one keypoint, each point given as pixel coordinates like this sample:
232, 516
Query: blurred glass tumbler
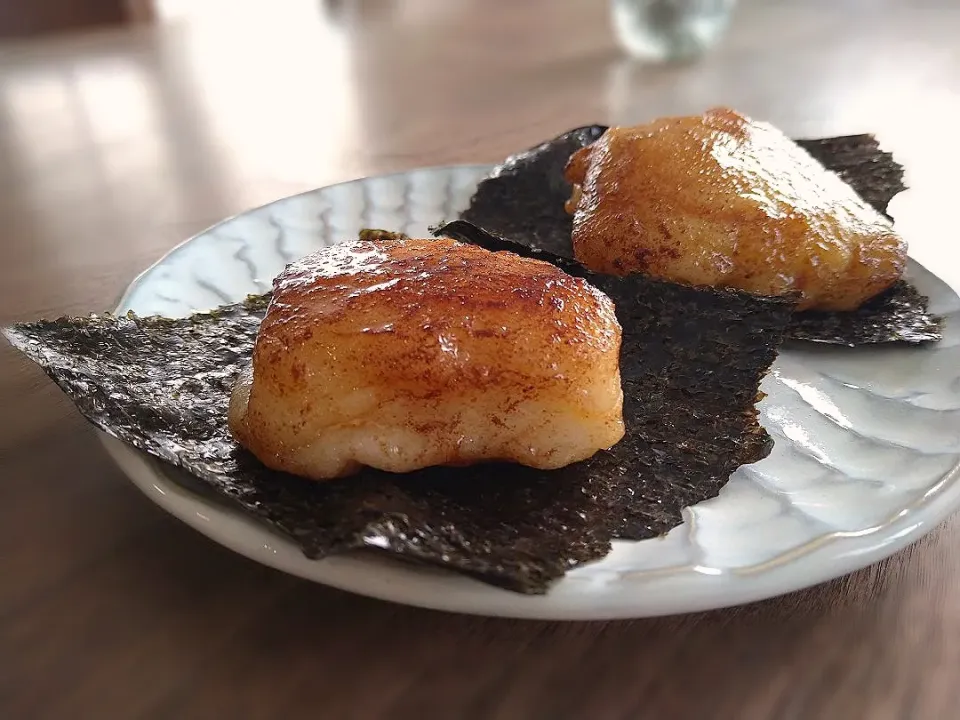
670, 29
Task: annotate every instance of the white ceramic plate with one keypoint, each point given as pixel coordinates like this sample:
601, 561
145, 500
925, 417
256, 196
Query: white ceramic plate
865, 461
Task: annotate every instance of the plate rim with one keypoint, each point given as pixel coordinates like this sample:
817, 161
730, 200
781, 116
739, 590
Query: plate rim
147, 474
138, 278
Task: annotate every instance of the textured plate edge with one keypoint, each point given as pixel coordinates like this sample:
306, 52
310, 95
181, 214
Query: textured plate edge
654, 596
138, 279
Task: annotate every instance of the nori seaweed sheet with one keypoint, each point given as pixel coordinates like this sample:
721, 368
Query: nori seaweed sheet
523, 199
898, 314
691, 365
860, 163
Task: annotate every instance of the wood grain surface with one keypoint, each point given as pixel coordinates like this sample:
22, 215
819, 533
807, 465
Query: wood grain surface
116, 145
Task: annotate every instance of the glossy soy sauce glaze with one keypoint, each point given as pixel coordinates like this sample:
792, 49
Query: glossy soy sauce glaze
524, 199
400, 354
722, 200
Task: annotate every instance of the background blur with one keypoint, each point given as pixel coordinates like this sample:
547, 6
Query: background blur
178, 112
127, 126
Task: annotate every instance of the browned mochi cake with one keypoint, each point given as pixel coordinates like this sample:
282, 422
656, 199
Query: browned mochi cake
400, 354
720, 200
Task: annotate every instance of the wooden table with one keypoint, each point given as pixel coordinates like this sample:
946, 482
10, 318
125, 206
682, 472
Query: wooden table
117, 145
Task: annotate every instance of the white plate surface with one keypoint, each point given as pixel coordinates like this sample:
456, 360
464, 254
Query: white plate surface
865, 460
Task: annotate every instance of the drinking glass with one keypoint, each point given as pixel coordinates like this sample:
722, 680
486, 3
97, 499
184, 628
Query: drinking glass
662, 30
